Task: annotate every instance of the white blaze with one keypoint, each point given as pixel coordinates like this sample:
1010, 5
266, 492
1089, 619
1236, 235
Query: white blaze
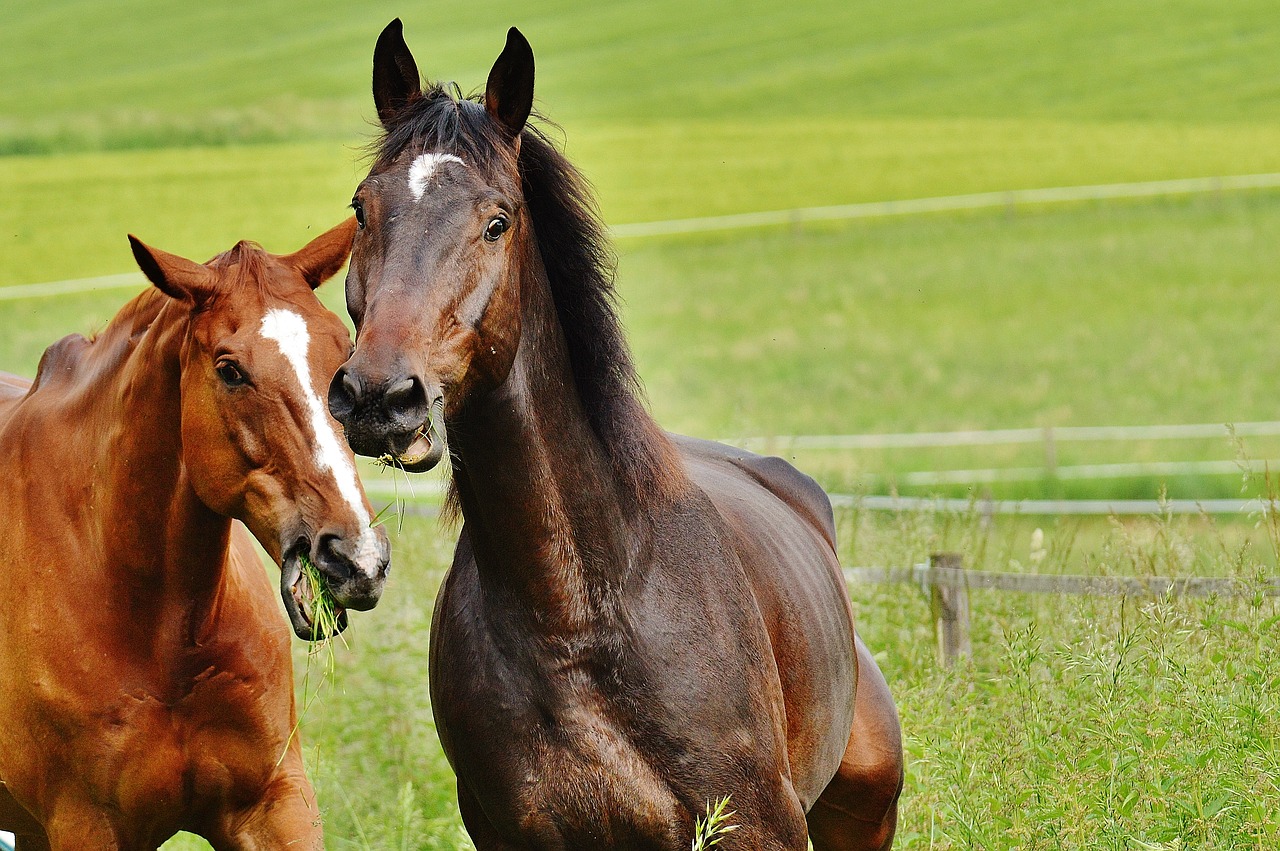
289, 331
423, 168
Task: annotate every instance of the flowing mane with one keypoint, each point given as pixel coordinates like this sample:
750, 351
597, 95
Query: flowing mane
580, 265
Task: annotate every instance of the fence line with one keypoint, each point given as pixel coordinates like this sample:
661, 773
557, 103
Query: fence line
71, 287
1023, 507
1082, 471
799, 215
1050, 507
947, 584
1005, 436
949, 203
926, 575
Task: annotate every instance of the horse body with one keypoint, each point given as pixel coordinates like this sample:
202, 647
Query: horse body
148, 678
709, 668
634, 624
699, 648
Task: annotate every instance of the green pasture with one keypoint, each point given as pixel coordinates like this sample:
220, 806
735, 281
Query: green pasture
1111, 724
1092, 314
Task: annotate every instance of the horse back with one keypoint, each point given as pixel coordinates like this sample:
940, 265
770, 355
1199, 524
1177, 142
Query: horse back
783, 530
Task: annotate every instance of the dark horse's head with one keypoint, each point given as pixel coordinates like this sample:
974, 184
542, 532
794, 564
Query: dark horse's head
443, 232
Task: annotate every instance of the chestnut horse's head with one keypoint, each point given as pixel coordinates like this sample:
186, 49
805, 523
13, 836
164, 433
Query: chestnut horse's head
258, 444
444, 230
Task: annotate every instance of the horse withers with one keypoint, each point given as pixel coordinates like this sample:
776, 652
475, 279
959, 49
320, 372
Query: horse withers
147, 683
635, 624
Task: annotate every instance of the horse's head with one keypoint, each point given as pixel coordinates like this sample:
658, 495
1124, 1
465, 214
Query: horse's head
443, 230
258, 444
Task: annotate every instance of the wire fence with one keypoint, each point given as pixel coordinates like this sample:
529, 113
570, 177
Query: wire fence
387, 485
946, 583
1005, 436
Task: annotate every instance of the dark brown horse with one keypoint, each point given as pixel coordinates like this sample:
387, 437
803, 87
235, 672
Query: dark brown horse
146, 683
634, 623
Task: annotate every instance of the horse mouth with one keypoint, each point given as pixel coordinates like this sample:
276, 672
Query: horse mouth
303, 605
427, 446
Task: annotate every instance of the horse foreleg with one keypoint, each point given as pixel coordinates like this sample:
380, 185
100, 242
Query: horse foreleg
858, 811
285, 817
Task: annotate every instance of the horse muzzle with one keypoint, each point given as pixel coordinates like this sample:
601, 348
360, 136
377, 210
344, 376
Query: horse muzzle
399, 422
320, 582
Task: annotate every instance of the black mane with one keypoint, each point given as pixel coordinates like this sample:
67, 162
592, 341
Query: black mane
580, 266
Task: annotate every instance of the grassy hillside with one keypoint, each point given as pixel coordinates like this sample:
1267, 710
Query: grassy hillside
75, 67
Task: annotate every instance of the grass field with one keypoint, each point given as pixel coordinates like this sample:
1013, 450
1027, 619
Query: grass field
1079, 724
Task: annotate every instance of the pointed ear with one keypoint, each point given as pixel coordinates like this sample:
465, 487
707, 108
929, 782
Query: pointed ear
321, 258
176, 277
395, 74
509, 94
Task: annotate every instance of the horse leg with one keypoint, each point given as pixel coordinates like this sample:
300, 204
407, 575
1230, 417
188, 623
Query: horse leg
858, 811
286, 816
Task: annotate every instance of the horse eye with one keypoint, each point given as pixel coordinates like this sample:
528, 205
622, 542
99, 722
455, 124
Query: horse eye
230, 374
496, 228
359, 208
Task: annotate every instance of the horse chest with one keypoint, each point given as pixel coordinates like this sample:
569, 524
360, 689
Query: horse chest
138, 754
575, 781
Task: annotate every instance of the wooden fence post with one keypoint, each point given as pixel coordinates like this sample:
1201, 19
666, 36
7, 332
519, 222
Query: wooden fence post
950, 607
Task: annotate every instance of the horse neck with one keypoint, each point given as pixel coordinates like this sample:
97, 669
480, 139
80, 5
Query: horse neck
545, 515
164, 547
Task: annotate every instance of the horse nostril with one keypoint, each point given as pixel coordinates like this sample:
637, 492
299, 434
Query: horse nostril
344, 394
404, 396
331, 559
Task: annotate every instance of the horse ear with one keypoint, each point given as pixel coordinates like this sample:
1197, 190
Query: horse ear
321, 258
395, 74
176, 277
509, 94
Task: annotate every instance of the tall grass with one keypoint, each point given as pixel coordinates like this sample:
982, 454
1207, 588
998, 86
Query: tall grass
1106, 723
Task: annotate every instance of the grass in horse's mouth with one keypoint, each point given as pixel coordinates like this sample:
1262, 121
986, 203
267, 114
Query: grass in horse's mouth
419, 446
315, 601
317, 605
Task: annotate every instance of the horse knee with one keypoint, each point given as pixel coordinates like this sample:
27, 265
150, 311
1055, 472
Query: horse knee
285, 816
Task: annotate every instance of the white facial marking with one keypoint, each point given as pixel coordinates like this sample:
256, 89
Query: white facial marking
423, 168
289, 331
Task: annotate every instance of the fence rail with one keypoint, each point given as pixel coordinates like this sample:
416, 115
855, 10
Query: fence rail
950, 203
947, 584
799, 215
926, 575
1052, 507
1027, 507
1006, 436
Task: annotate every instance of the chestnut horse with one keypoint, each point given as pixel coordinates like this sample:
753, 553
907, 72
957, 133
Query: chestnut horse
147, 683
634, 623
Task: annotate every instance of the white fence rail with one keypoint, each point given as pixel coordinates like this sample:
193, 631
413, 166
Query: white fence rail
1005, 436
799, 215
1028, 507
950, 203
1053, 507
